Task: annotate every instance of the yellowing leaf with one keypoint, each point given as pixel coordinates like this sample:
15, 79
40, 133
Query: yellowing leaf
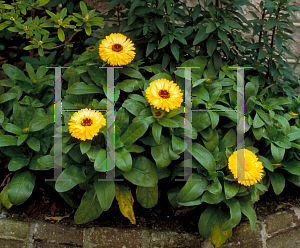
4, 198
125, 201
217, 236
57, 218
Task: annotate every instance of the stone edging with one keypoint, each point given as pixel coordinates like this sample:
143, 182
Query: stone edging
277, 230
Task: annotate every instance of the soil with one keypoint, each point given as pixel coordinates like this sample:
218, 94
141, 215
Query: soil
44, 201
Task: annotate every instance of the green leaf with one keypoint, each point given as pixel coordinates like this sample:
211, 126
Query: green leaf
133, 106
278, 42
283, 122
21, 187
293, 167
21, 139
203, 156
233, 24
178, 145
193, 188
105, 191
235, 214
211, 44
277, 152
123, 159
132, 73
15, 73
147, 196
7, 97
39, 123
89, 208
34, 144
8, 140
85, 146
200, 36
264, 116
218, 237
69, 178
143, 172
83, 8
129, 85
231, 189
223, 36
210, 27
270, 23
46, 161
1, 116
266, 163
61, 35
294, 133
17, 162
208, 219
122, 119
160, 76
156, 132
168, 123
175, 50
262, 54
136, 149
161, 155
35, 165
150, 48
257, 122
9, 127
211, 198
277, 181
195, 13
201, 121
181, 39
215, 187
160, 24
100, 162
133, 133
249, 212
88, 30
81, 88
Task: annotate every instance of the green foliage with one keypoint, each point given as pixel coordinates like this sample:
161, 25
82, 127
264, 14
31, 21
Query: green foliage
150, 144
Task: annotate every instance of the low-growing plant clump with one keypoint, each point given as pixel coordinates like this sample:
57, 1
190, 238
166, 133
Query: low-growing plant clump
124, 118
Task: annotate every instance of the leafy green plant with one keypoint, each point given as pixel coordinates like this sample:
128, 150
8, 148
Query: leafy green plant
149, 142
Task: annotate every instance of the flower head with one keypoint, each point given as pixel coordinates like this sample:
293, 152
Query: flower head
164, 94
117, 49
86, 123
253, 170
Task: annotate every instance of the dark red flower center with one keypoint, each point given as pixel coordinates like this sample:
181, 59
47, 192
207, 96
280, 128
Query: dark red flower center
157, 114
86, 122
117, 47
164, 94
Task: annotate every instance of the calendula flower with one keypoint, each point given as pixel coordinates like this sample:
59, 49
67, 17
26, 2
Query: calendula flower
164, 94
116, 49
253, 168
86, 123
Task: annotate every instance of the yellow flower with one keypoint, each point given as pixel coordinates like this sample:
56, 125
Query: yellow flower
164, 94
292, 113
86, 123
116, 49
253, 168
